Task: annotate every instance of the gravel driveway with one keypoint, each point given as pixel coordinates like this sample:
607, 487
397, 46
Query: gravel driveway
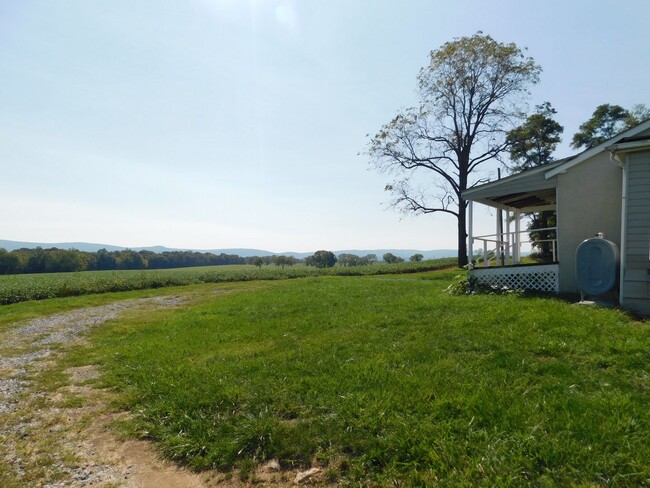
61, 329
25, 352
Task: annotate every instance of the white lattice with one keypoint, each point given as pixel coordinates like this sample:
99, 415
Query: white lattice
544, 277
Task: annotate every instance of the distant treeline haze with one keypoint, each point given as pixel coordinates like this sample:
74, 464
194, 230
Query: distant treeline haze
54, 260
60, 260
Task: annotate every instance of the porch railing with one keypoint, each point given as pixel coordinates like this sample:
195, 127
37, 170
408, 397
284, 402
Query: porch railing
505, 249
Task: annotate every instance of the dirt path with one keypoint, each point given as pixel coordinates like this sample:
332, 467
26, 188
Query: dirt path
61, 437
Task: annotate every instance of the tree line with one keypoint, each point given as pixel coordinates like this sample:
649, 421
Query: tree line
56, 260
327, 259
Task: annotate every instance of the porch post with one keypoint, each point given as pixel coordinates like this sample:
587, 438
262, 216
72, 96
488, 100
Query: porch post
517, 250
470, 233
499, 236
508, 239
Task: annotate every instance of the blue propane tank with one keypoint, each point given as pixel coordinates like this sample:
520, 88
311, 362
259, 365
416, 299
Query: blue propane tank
596, 265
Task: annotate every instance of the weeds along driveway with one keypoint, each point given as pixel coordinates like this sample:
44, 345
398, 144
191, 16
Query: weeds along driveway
34, 447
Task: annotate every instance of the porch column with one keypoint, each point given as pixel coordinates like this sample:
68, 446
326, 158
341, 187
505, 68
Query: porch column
508, 238
517, 249
499, 236
470, 233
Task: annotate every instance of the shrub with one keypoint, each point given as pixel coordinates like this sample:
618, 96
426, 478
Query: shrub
469, 285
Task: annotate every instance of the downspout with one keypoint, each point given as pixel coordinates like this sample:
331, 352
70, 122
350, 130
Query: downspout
616, 159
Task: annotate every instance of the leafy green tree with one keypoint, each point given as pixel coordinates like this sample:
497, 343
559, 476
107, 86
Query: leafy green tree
638, 113
321, 259
9, 262
389, 257
347, 259
36, 262
129, 259
71, 260
541, 238
104, 260
532, 144
284, 261
416, 258
607, 121
468, 93
369, 259
257, 261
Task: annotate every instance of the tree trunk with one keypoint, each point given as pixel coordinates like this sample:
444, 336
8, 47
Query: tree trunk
463, 162
462, 234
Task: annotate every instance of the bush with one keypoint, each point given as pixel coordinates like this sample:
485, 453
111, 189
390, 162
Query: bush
469, 285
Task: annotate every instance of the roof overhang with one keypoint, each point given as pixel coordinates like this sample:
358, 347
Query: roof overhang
630, 145
529, 191
534, 190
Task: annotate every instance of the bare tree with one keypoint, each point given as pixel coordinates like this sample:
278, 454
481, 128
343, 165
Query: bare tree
470, 96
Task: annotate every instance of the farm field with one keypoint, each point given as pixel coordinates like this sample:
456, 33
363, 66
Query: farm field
381, 380
23, 287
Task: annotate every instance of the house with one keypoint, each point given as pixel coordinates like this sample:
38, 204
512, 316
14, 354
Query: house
602, 191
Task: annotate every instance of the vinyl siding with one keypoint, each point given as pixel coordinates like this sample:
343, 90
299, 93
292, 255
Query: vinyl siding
588, 202
636, 286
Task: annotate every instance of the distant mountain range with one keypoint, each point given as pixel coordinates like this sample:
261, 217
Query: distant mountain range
90, 247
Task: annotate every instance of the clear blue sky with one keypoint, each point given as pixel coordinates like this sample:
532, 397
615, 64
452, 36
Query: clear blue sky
238, 123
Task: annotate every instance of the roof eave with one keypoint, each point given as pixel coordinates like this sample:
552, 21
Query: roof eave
629, 146
508, 179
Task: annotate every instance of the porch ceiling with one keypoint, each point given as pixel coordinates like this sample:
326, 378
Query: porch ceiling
531, 199
527, 191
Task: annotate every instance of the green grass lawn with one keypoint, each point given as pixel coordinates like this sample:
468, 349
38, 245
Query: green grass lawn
389, 380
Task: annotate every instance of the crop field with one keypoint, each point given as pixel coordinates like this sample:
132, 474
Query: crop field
387, 380
18, 288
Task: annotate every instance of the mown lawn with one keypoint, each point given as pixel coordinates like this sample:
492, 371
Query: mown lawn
390, 380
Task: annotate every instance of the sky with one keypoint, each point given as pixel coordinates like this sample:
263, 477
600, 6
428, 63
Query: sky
208, 124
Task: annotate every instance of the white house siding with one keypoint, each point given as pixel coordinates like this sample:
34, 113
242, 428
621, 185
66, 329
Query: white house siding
636, 283
588, 202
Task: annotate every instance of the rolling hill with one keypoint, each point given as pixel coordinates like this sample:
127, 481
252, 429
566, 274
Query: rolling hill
243, 252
